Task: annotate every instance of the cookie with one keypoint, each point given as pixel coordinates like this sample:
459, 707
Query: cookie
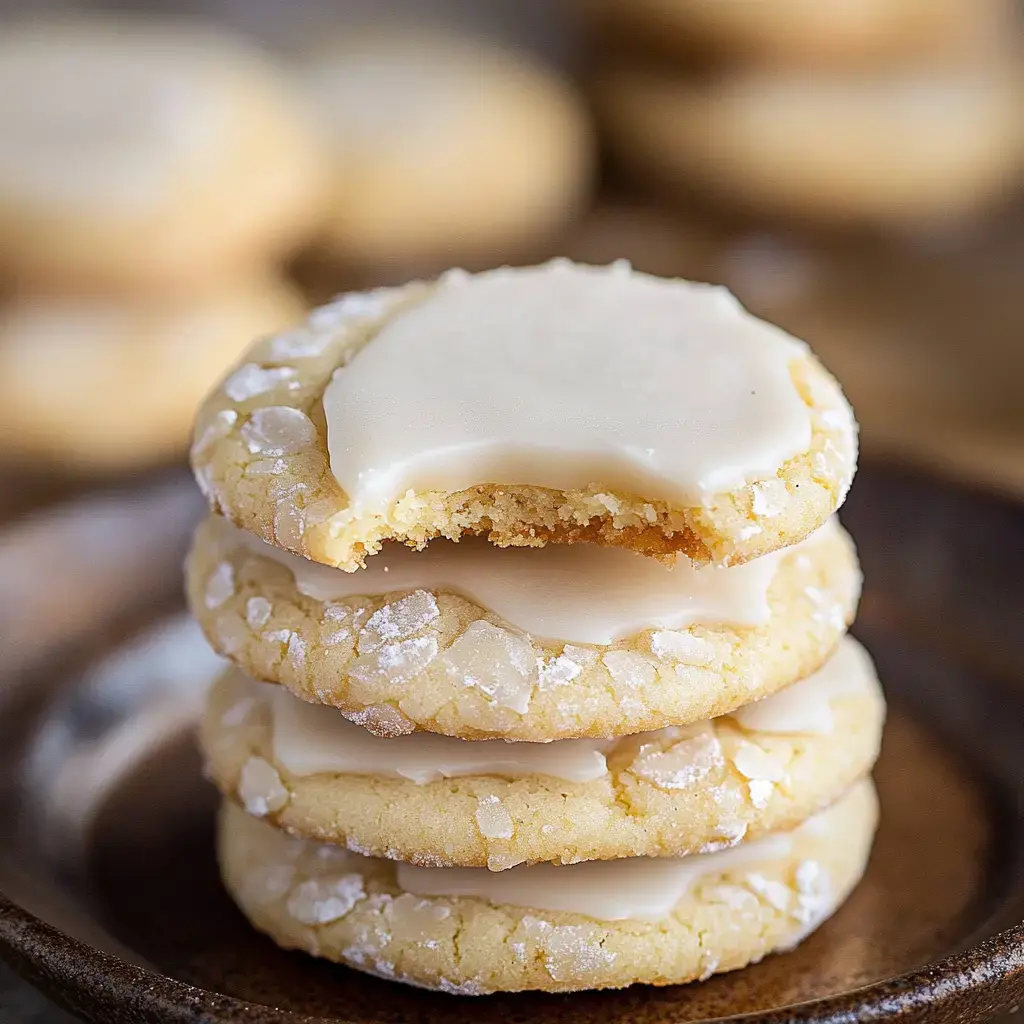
905, 146
820, 33
446, 802
140, 154
560, 403
102, 385
556, 928
444, 149
527, 644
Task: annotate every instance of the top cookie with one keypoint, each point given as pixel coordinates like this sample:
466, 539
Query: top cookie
561, 403
141, 154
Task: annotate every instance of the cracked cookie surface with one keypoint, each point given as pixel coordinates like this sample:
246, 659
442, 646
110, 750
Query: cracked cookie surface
668, 793
358, 911
396, 663
261, 457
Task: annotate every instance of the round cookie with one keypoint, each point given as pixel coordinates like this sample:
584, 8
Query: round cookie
140, 154
463, 930
822, 33
445, 802
435, 402
445, 149
94, 384
902, 146
408, 658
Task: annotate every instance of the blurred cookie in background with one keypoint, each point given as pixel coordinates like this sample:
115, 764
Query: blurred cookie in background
912, 146
91, 385
795, 32
445, 150
147, 155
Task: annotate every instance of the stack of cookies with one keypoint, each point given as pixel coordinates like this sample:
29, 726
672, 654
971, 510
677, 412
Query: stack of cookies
889, 112
615, 733
153, 176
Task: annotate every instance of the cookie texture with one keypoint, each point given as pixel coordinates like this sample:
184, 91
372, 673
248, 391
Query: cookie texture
351, 909
668, 793
147, 155
904, 146
98, 384
261, 457
395, 663
443, 148
819, 33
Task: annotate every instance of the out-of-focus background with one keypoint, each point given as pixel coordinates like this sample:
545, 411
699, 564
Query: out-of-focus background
173, 183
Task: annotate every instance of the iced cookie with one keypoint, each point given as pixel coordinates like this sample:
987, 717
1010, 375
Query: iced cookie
524, 643
903, 146
440, 801
140, 154
560, 403
444, 149
804, 32
658, 921
94, 384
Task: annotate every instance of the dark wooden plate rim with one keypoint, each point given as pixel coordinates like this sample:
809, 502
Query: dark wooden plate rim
971, 985
968, 986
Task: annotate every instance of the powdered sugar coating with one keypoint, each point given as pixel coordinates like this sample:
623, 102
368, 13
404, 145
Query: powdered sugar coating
496, 662
493, 819
726, 918
257, 611
674, 791
325, 899
722, 528
278, 430
251, 379
451, 666
674, 760
260, 788
220, 585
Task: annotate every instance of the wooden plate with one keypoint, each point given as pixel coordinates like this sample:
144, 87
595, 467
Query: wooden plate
111, 901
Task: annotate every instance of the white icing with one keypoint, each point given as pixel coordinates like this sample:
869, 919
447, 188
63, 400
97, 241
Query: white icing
566, 376
640, 888
312, 738
636, 888
806, 706
576, 593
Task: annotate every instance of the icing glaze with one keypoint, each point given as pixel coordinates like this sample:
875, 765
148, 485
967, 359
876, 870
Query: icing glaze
566, 376
635, 888
310, 739
806, 706
577, 593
